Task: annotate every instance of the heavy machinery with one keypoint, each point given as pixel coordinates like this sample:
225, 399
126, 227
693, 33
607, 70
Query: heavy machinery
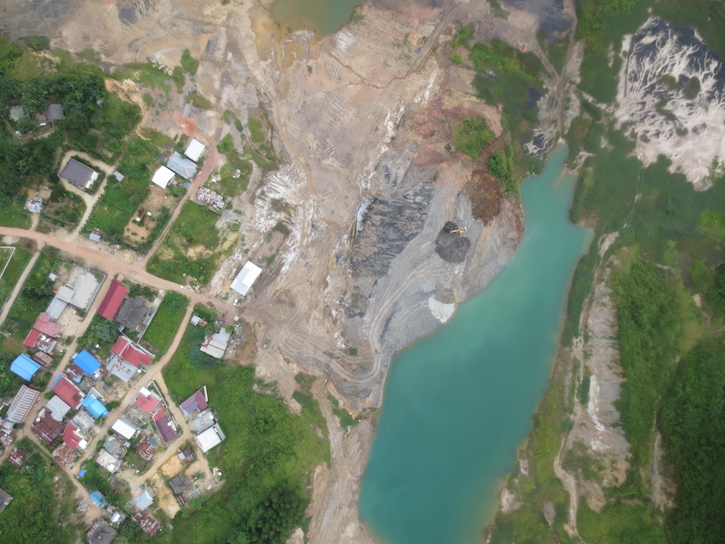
460, 230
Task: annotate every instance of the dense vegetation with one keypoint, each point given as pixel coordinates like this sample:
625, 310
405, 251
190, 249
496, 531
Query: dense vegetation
40, 501
692, 421
265, 459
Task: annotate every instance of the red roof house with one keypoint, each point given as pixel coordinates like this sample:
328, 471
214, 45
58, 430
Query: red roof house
46, 428
148, 524
73, 438
130, 352
17, 457
147, 403
113, 299
46, 325
166, 428
146, 448
32, 338
68, 392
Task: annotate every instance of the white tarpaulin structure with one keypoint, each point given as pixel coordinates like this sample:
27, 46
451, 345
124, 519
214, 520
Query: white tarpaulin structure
162, 177
194, 150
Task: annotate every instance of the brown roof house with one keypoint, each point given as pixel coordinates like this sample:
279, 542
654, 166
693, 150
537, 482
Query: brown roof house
78, 174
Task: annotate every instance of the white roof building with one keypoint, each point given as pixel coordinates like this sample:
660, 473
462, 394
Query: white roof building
246, 278
108, 461
210, 438
194, 150
84, 291
182, 166
22, 404
125, 428
216, 344
162, 177
58, 408
144, 500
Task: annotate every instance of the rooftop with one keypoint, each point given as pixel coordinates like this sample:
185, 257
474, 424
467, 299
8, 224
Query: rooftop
58, 408
210, 438
131, 352
246, 278
147, 403
108, 461
67, 391
22, 404
45, 325
73, 438
122, 369
24, 367
133, 312
165, 426
194, 149
182, 166
113, 300
146, 448
17, 457
64, 456
5, 499
87, 362
55, 112
94, 407
144, 500
162, 177
198, 401
84, 290
125, 428
78, 174
101, 532
216, 344
148, 523
46, 428
179, 484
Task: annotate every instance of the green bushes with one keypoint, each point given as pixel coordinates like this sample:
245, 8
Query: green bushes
501, 165
471, 136
189, 63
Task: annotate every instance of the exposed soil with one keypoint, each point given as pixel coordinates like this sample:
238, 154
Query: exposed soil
486, 196
452, 246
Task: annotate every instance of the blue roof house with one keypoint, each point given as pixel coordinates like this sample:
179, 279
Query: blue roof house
94, 407
24, 367
98, 499
87, 362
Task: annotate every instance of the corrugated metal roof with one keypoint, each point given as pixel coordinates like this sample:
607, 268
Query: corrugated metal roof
24, 367
197, 401
194, 150
87, 362
46, 326
55, 308
84, 290
77, 173
94, 407
210, 438
121, 369
22, 404
125, 428
182, 166
113, 300
58, 408
67, 391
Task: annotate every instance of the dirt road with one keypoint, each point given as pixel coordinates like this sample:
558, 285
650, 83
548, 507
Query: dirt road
112, 265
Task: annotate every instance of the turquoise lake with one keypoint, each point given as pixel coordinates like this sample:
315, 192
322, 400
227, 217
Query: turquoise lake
458, 403
322, 16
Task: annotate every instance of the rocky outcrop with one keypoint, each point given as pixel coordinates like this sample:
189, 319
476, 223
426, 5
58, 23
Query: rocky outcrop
671, 96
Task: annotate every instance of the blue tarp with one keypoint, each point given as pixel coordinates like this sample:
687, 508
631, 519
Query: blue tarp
98, 499
87, 362
94, 407
24, 367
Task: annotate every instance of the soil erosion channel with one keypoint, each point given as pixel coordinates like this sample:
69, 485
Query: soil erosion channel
459, 402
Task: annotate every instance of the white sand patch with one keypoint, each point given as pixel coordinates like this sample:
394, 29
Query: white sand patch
440, 310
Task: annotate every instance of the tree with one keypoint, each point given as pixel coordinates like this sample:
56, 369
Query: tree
272, 520
104, 330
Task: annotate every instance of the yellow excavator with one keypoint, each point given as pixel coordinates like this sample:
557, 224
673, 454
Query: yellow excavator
460, 230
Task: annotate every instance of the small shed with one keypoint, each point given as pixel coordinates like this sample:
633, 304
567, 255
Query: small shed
24, 367
98, 499
216, 344
54, 113
246, 278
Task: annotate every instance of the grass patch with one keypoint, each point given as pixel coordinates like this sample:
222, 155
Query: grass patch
198, 101
194, 228
12, 214
471, 136
166, 322
255, 130
16, 266
267, 448
189, 63
229, 185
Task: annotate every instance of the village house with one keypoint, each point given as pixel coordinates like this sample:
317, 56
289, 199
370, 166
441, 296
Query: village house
210, 438
216, 344
17, 457
112, 301
46, 428
108, 461
134, 313
78, 174
182, 166
127, 358
24, 367
64, 456
22, 404
144, 500
125, 428
194, 150
148, 523
162, 177
166, 426
199, 401
68, 392
146, 448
